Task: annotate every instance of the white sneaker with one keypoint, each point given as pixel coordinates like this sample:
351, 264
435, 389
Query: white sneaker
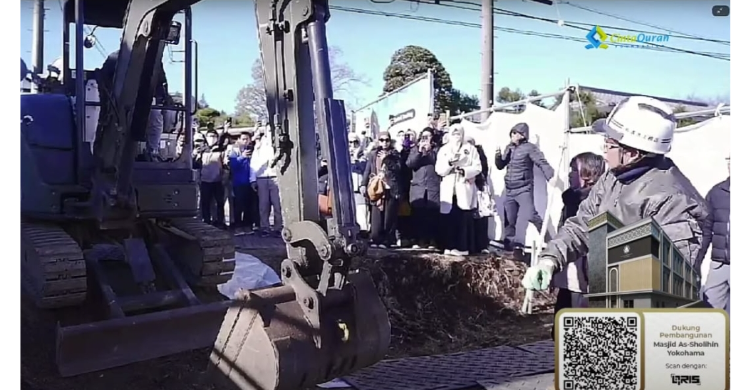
416, 247
459, 253
447, 252
381, 246
485, 251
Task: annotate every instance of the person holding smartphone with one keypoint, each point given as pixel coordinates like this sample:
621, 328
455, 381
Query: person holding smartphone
243, 182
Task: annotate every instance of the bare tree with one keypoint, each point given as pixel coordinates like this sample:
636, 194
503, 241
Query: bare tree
251, 99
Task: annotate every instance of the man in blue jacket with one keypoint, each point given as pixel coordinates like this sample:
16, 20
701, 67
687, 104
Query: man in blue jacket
243, 182
716, 233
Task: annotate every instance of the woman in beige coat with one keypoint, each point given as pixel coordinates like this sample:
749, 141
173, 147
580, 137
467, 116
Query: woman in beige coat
458, 163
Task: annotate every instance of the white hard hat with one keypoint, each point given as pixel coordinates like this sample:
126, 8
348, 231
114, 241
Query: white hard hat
353, 137
641, 123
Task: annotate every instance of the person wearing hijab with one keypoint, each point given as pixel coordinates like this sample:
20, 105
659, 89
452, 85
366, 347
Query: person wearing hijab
383, 162
458, 163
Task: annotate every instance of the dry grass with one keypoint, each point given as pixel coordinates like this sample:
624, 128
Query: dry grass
438, 304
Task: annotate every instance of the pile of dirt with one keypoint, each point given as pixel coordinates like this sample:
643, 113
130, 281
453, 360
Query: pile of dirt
440, 304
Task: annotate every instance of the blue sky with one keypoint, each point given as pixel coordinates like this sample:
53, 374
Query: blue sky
521, 61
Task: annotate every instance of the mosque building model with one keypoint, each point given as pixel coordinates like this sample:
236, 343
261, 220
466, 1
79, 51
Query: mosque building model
637, 266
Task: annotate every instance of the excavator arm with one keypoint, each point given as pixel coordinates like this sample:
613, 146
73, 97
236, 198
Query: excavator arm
125, 117
325, 321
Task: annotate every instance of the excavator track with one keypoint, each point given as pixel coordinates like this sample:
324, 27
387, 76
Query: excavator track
209, 256
52, 265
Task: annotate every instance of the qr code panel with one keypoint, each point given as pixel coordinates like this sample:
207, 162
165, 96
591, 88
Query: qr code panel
600, 351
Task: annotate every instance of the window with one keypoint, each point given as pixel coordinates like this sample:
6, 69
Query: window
677, 285
677, 263
613, 280
665, 246
627, 303
665, 279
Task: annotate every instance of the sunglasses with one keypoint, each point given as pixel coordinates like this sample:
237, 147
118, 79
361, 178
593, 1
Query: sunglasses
384, 140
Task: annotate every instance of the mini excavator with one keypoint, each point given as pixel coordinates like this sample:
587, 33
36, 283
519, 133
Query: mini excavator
116, 238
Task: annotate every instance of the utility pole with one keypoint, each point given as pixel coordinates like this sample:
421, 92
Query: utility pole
37, 42
488, 53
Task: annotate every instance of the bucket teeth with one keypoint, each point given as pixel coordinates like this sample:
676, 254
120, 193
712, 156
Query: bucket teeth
53, 268
216, 249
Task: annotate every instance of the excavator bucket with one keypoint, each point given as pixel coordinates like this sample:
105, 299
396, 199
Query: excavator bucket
273, 339
117, 342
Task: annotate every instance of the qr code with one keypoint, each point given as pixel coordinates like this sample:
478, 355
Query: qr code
599, 351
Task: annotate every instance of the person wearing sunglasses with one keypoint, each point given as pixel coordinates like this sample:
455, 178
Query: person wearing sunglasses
641, 183
383, 174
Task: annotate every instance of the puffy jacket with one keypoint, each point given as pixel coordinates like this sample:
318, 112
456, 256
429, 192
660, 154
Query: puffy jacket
211, 164
520, 160
716, 226
660, 191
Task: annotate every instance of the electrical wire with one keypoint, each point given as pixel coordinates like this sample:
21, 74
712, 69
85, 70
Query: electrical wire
504, 12
500, 11
506, 29
624, 19
98, 45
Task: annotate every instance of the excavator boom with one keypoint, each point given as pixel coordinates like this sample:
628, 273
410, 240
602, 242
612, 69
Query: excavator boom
326, 321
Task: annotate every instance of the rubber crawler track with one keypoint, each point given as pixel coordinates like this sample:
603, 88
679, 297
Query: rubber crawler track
53, 267
217, 248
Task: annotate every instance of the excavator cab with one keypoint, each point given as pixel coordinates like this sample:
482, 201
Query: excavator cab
325, 320
164, 187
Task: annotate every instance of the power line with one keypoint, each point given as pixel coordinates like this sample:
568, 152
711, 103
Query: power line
718, 56
503, 12
98, 45
504, 29
624, 19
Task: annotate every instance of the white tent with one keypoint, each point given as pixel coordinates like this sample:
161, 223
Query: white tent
699, 150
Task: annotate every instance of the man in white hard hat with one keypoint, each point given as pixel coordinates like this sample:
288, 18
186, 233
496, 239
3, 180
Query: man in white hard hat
640, 183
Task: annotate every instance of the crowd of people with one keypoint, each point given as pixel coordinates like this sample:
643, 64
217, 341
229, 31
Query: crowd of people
431, 190
238, 172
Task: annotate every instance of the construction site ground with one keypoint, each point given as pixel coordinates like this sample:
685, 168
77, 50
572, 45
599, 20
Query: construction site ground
438, 305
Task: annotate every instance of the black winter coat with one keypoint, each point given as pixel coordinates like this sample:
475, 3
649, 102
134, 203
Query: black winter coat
392, 169
425, 182
716, 226
520, 160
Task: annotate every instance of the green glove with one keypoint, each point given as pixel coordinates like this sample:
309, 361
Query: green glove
538, 277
